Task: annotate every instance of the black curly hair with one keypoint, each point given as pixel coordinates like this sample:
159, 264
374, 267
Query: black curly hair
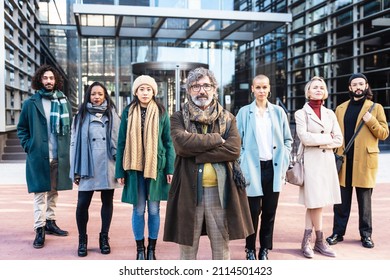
37, 78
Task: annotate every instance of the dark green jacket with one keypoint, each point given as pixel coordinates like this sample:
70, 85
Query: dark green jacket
34, 138
159, 188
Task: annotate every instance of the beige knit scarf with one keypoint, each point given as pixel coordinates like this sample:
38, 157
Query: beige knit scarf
141, 154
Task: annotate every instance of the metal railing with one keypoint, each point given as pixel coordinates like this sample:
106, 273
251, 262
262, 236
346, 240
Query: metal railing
279, 102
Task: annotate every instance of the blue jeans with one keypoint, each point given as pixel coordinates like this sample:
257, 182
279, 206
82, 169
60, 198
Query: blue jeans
138, 219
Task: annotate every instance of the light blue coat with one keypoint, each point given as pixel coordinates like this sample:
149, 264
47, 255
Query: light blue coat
250, 159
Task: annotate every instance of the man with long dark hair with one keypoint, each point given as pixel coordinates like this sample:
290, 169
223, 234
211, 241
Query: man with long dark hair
43, 130
361, 165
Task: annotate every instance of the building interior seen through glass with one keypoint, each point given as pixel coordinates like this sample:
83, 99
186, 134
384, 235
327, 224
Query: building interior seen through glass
101, 40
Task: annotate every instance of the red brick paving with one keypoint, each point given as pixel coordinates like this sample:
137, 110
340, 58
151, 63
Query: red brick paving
16, 233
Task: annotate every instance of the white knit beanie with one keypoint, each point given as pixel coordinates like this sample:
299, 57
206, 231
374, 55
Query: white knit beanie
144, 80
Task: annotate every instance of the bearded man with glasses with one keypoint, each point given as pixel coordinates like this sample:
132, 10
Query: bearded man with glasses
204, 198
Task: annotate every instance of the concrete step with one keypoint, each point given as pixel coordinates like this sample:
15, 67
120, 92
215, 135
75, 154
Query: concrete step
13, 149
12, 135
14, 156
12, 142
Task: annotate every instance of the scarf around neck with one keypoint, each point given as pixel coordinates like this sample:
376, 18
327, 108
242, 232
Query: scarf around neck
141, 148
192, 115
59, 113
83, 160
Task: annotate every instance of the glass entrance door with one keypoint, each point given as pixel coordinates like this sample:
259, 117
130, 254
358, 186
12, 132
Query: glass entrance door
170, 78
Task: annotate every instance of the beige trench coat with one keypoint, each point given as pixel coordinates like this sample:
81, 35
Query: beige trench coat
321, 180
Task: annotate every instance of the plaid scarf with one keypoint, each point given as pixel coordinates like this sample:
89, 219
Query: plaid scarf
59, 112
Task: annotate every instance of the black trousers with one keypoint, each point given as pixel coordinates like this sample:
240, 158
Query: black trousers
83, 203
342, 211
266, 206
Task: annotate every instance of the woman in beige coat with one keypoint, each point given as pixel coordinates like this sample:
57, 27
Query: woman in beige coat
319, 133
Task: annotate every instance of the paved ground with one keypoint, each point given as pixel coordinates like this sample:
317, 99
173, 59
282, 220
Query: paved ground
16, 233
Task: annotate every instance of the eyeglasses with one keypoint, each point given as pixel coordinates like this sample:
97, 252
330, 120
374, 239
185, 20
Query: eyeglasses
206, 87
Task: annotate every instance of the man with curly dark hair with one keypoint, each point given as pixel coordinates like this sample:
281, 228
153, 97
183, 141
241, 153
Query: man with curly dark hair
43, 131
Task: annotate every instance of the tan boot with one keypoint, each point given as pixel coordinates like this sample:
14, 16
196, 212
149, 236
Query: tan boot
306, 244
322, 246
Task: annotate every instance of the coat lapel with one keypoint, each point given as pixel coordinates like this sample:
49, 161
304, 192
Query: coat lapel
252, 119
37, 99
313, 116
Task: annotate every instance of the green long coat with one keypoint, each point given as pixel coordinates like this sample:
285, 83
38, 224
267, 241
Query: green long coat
366, 150
34, 138
159, 188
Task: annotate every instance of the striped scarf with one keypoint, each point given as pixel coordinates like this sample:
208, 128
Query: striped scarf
59, 112
141, 153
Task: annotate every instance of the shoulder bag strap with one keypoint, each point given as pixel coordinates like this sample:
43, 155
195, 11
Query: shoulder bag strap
357, 131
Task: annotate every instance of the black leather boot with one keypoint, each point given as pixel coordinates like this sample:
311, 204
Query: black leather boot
39, 240
250, 254
140, 250
150, 254
103, 243
83, 242
52, 228
263, 254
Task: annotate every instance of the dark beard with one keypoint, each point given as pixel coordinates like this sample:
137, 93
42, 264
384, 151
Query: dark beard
354, 94
47, 89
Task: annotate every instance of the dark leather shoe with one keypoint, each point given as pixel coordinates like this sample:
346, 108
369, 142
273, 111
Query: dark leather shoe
250, 254
367, 242
263, 254
82, 251
104, 245
52, 228
334, 239
39, 240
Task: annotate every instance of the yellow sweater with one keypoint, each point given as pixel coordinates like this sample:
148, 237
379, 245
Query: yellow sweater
209, 176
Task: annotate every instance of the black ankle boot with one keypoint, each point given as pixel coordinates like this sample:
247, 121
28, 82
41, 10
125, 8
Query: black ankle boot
83, 242
52, 228
39, 240
263, 254
150, 255
250, 254
140, 249
103, 243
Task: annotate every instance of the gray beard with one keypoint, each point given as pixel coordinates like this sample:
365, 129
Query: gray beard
202, 103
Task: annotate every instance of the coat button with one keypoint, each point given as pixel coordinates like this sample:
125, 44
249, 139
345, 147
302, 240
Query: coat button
104, 138
274, 147
276, 164
323, 150
200, 170
322, 131
93, 139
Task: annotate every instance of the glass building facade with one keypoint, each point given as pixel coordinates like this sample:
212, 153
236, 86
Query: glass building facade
332, 39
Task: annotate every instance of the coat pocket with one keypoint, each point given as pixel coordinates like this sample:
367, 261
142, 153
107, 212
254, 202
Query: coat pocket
372, 157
